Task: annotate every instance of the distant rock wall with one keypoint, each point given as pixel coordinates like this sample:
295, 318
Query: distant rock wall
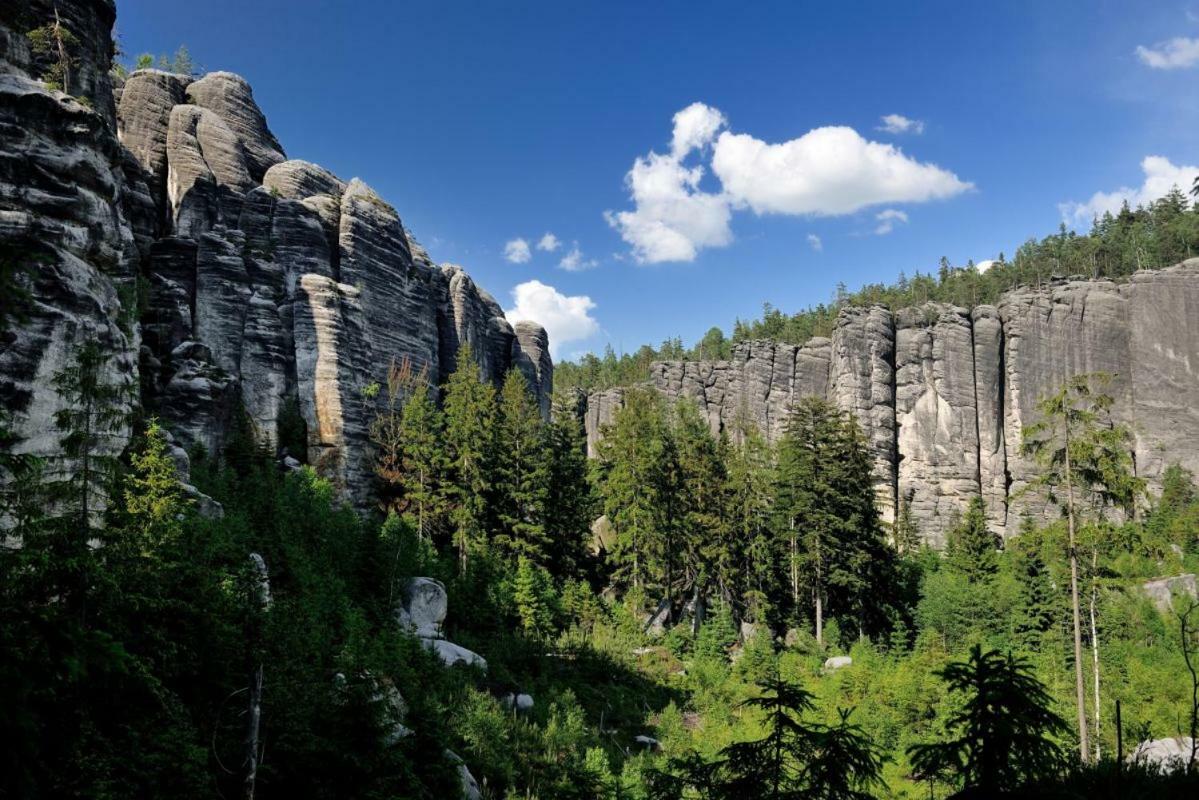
269, 284
943, 393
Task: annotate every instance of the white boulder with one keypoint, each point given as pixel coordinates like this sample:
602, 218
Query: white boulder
1167, 755
424, 608
836, 662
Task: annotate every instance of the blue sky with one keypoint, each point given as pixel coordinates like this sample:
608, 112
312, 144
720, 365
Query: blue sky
488, 122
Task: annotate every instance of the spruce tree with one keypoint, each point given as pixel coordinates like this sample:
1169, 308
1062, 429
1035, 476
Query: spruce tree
825, 514
1085, 461
633, 472
699, 547
469, 439
749, 498
571, 509
522, 473
971, 549
422, 467
154, 499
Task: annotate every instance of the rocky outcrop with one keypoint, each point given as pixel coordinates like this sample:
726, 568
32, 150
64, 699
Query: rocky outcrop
943, 394
422, 613
63, 222
270, 284
1161, 592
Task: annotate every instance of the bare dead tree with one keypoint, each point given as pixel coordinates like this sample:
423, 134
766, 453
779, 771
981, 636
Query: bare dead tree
259, 596
1188, 633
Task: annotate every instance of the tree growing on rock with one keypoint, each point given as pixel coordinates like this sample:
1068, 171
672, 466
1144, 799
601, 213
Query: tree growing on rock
54, 44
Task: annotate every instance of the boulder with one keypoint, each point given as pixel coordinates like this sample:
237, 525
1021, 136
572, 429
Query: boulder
837, 662
1165, 755
424, 607
470, 786
520, 703
1162, 591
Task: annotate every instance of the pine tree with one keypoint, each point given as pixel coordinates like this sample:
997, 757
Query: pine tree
825, 513
749, 498
469, 439
532, 591
971, 549
633, 470
1004, 732
386, 429
423, 467
522, 473
698, 547
1084, 455
154, 499
572, 508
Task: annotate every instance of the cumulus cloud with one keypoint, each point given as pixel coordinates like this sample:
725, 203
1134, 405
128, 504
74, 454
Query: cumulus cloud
694, 127
549, 242
887, 220
815, 243
517, 251
574, 261
673, 219
1160, 177
1177, 53
898, 123
826, 172
984, 265
566, 318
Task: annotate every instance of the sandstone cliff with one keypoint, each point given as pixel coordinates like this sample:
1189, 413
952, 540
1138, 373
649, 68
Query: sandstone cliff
943, 393
266, 284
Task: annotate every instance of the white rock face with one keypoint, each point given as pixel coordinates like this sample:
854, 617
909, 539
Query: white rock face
470, 786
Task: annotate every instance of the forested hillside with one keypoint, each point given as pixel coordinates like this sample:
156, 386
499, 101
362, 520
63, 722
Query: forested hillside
1159, 235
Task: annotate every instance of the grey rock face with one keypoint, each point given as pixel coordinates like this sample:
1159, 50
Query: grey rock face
61, 183
1162, 591
296, 179
143, 119
988, 397
206, 172
943, 395
229, 96
531, 354
862, 382
1049, 335
936, 415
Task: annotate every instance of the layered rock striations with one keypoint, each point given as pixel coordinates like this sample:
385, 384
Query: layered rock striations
270, 286
943, 393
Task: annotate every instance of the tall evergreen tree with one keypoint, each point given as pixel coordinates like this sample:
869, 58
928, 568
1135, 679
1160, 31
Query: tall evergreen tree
571, 509
749, 498
469, 439
1084, 460
825, 513
1004, 732
971, 549
634, 469
422, 466
521, 479
698, 542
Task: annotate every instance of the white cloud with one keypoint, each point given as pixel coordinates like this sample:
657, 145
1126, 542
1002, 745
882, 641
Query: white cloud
815, 243
565, 318
827, 171
1160, 176
984, 265
549, 243
1177, 53
517, 251
887, 219
898, 123
673, 219
695, 126
575, 262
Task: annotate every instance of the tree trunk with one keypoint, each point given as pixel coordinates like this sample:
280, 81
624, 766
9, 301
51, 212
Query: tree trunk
1079, 691
1095, 647
260, 600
